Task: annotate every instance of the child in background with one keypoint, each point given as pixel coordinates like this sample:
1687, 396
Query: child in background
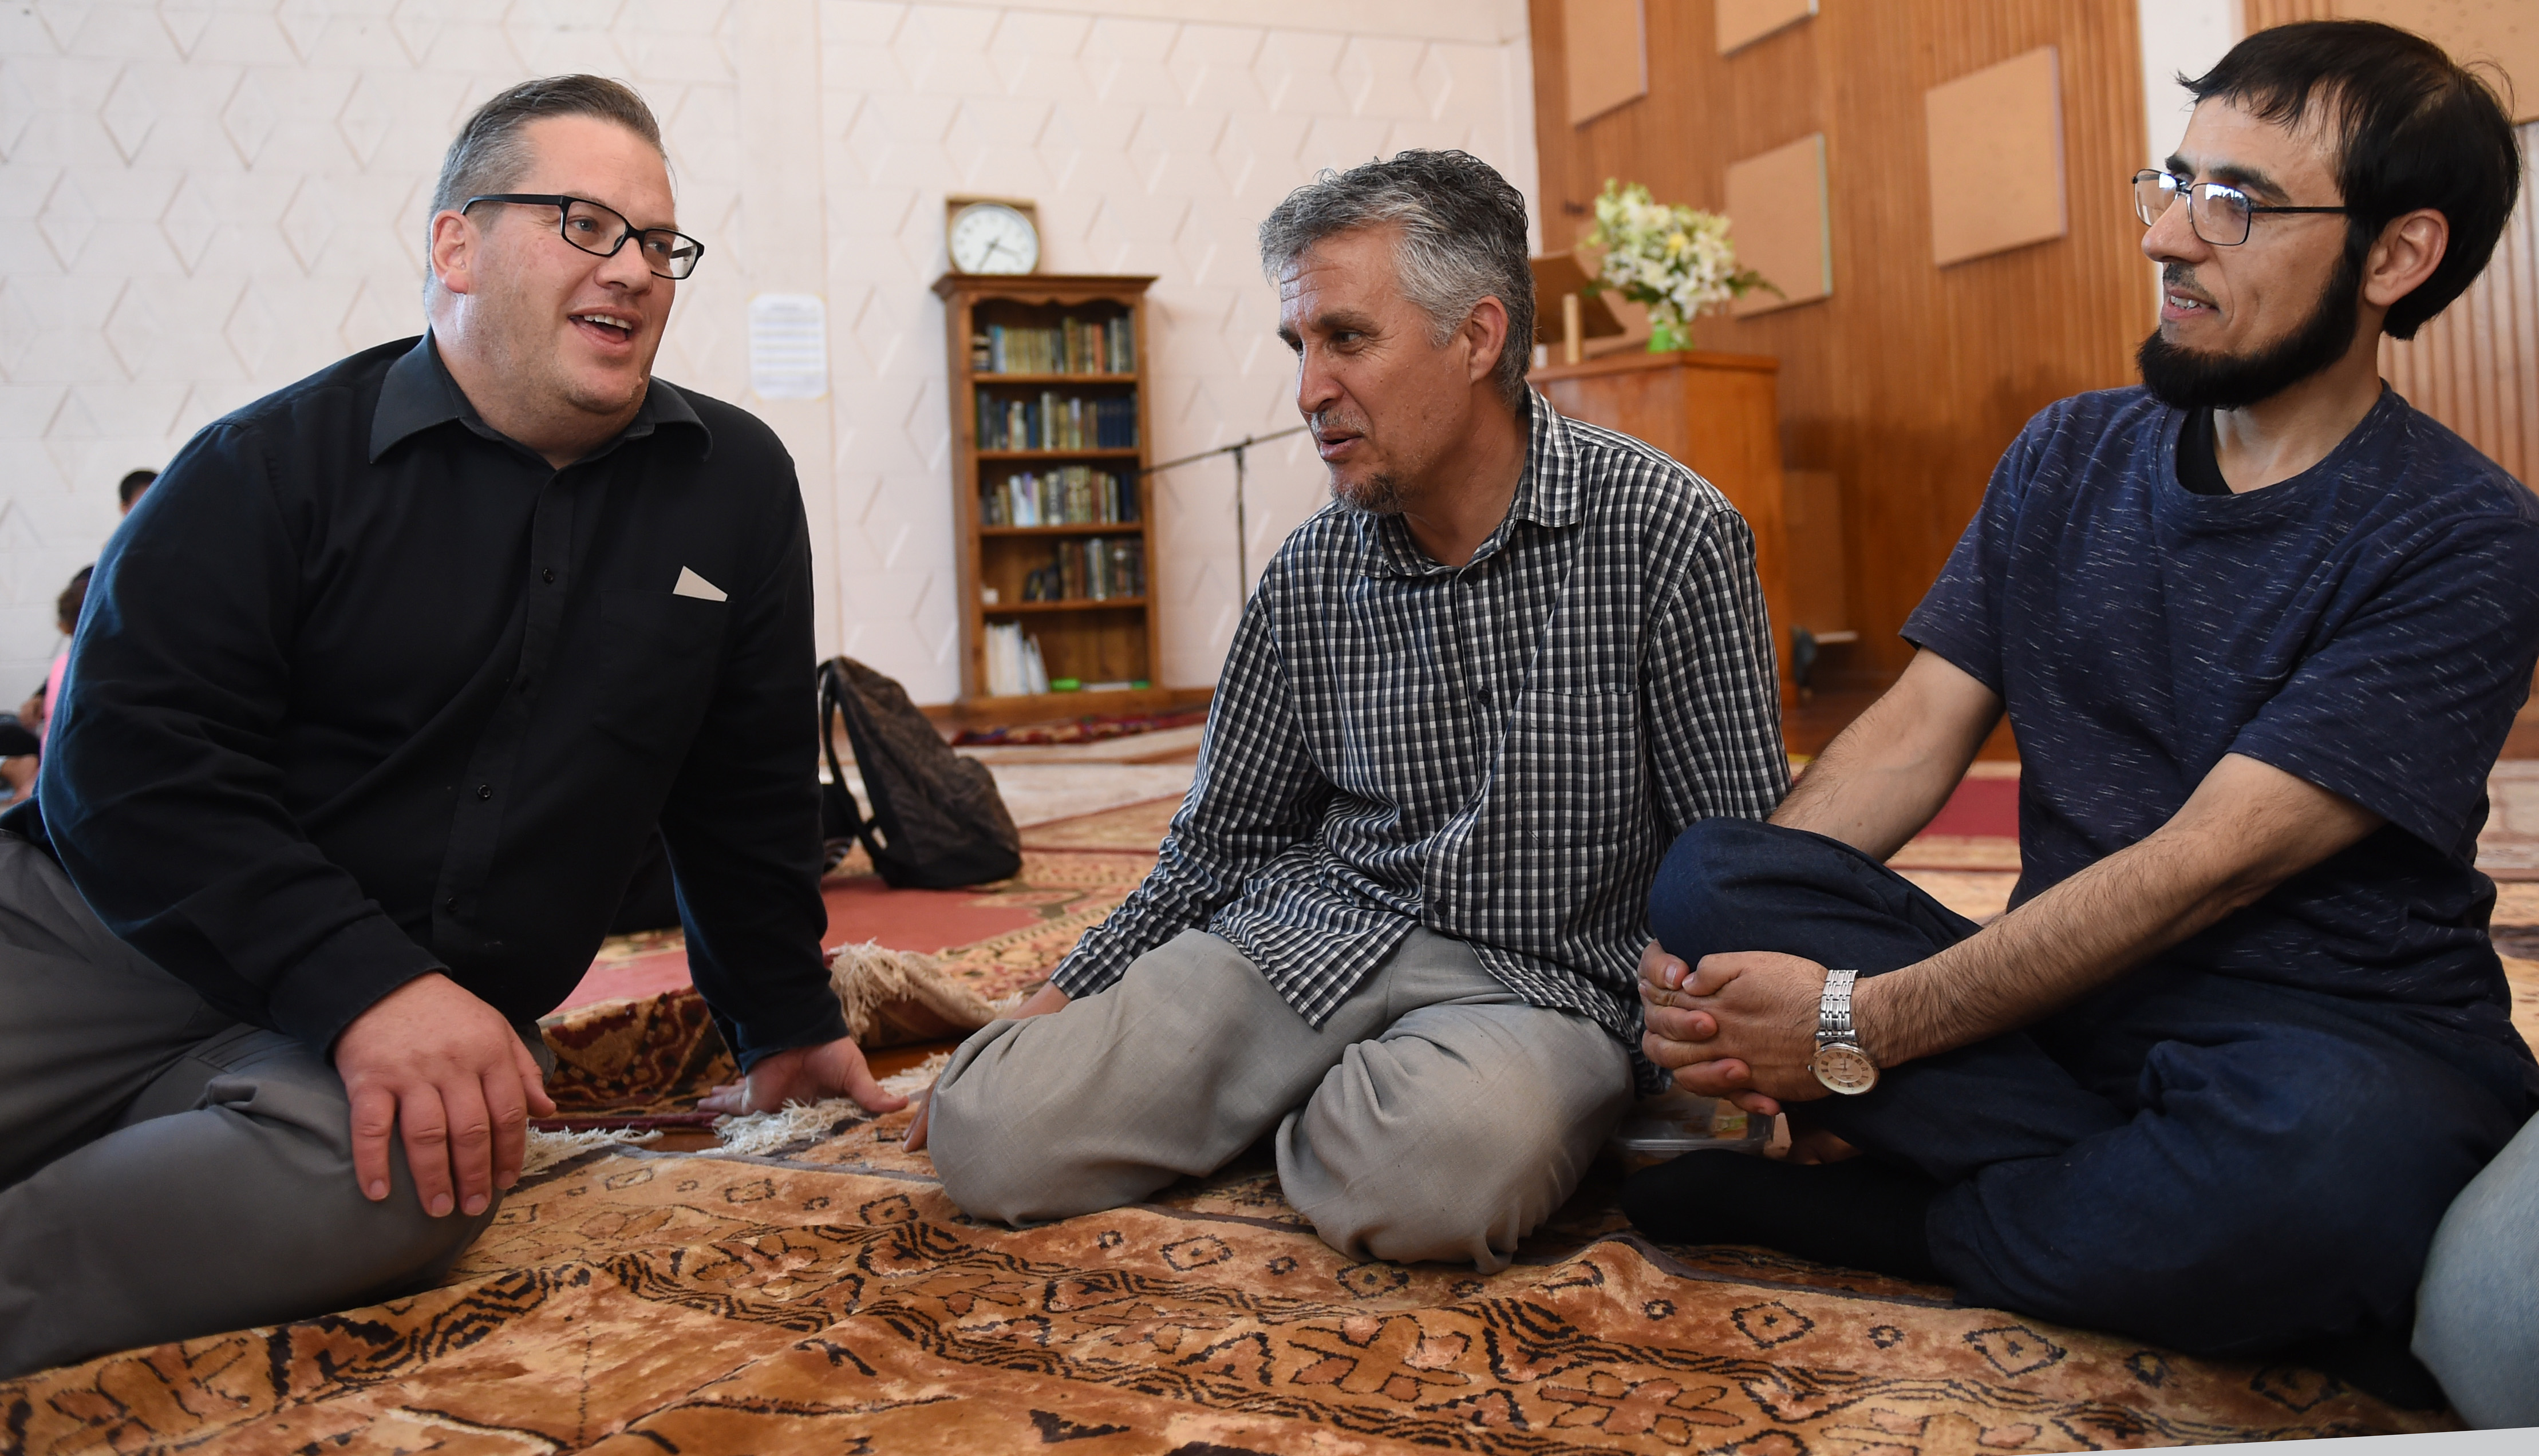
22, 737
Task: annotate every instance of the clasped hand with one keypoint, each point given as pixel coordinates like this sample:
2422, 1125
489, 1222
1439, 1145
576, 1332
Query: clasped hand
1741, 1026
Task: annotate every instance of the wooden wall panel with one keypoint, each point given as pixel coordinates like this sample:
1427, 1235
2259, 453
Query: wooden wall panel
1778, 200
2476, 367
2007, 119
1910, 380
1604, 44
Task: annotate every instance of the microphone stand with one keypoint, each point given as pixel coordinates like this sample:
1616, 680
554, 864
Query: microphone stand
1242, 529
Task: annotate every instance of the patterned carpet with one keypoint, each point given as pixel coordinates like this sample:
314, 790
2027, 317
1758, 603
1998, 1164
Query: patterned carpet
827, 1298
822, 1295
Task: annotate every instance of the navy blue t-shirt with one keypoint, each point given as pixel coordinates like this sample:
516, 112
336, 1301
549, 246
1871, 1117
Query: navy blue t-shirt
2368, 625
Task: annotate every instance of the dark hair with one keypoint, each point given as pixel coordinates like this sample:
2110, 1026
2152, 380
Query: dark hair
487, 155
1462, 239
66, 607
2415, 129
133, 485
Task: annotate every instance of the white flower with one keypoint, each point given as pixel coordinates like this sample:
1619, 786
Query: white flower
1676, 260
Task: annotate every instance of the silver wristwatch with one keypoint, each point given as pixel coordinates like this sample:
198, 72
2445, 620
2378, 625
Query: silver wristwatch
1839, 1063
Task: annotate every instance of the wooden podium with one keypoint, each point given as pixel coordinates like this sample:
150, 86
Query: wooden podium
1717, 412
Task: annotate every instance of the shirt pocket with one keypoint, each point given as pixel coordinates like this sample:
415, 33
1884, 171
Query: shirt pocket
659, 655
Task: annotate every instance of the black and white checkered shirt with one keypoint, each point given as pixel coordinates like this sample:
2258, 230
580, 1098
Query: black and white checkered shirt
1501, 752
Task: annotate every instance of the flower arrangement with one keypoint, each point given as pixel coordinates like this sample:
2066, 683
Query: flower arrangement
1676, 260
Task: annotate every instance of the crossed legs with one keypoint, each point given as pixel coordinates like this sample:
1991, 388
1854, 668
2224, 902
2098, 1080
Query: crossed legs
2224, 1166
1433, 1117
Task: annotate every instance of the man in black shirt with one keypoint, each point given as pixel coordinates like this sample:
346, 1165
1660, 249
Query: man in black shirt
378, 696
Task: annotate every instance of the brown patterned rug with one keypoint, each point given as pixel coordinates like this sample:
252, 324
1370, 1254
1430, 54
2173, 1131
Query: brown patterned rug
828, 1298
822, 1295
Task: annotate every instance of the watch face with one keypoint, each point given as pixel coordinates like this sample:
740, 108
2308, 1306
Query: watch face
1844, 1068
992, 237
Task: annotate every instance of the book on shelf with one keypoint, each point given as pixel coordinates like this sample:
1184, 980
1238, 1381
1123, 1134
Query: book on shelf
1015, 666
1077, 346
1068, 496
1094, 569
1057, 421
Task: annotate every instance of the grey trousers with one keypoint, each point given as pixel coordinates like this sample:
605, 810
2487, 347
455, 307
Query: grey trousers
165, 1172
1434, 1116
2476, 1313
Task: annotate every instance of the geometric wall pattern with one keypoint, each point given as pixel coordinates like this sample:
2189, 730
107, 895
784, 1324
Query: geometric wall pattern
206, 201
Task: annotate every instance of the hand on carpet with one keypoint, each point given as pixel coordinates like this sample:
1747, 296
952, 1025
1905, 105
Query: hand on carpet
431, 1058
1040, 1003
1741, 1027
804, 1073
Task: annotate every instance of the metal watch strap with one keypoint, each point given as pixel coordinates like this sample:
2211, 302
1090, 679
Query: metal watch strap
1833, 1013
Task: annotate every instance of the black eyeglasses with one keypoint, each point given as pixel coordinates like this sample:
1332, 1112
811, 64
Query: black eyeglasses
587, 226
2218, 212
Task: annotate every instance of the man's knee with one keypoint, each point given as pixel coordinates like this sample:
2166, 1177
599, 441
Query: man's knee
991, 1159
1737, 885
2476, 1313
1410, 1163
1176, 1068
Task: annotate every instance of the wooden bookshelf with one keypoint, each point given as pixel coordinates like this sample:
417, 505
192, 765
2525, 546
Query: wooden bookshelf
1114, 639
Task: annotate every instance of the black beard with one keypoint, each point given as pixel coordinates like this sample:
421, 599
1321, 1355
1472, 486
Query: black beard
2191, 380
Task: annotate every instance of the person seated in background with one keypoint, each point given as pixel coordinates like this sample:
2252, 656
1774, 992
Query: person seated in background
22, 735
391, 679
127, 491
1472, 699
2261, 628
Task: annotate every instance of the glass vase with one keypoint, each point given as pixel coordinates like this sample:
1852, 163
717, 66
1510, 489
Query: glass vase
1667, 338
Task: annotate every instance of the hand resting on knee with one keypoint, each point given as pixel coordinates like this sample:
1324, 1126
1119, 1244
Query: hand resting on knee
434, 1060
1046, 998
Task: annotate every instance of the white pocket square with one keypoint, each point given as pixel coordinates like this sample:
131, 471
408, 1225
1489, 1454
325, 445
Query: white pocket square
693, 586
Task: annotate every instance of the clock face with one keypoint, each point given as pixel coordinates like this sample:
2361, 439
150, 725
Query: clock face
992, 237
1844, 1068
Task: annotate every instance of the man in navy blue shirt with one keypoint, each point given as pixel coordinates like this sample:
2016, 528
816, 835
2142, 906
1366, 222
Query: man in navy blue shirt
376, 702
2260, 628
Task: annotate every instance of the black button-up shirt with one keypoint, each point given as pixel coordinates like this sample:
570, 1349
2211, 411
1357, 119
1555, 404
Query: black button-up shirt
364, 688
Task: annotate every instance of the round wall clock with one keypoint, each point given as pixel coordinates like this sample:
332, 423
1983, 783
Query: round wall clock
992, 237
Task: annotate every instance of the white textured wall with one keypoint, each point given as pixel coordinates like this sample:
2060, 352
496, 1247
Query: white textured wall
209, 200
2179, 37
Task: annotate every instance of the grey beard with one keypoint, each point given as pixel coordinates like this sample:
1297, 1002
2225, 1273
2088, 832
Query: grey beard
1379, 494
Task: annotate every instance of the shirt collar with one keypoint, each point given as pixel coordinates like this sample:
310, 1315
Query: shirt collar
1547, 494
418, 394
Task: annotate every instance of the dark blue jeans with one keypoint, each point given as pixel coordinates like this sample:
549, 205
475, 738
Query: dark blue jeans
2213, 1164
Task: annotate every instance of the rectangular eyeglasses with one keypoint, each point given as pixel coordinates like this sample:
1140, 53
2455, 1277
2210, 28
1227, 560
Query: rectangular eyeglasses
2220, 212
602, 231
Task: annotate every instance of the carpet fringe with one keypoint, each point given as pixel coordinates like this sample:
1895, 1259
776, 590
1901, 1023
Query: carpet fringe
894, 997
545, 1149
798, 1125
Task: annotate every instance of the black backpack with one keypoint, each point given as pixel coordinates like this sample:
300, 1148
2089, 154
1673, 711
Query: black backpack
937, 822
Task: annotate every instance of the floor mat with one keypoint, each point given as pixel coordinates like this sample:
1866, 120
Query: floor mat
822, 1295
828, 1298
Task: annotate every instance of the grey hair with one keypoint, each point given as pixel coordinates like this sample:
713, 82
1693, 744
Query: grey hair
1462, 239
488, 154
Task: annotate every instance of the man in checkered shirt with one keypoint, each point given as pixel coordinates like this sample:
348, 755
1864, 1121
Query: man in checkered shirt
1472, 702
